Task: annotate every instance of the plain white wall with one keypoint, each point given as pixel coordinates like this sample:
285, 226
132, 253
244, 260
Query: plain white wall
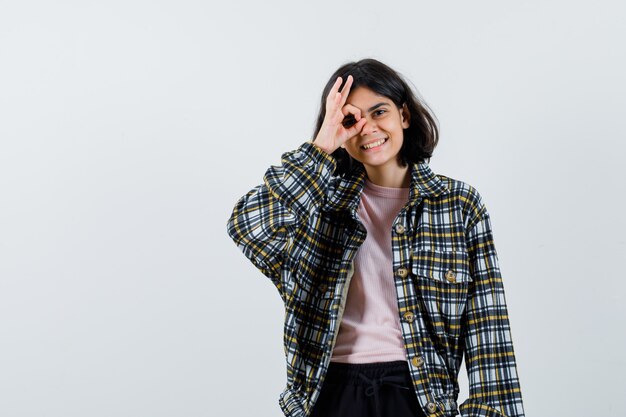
130, 128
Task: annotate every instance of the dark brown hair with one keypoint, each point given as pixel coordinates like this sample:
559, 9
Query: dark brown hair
422, 135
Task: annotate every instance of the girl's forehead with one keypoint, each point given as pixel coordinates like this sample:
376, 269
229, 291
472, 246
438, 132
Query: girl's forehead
365, 95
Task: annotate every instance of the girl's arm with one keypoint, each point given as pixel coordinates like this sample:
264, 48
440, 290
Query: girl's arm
494, 388
264, 221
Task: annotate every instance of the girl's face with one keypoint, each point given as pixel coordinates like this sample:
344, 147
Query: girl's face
384, 121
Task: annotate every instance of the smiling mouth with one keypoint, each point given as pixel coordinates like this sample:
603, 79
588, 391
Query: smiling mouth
373, 145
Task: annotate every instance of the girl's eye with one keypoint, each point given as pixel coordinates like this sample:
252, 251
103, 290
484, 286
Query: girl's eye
381, 111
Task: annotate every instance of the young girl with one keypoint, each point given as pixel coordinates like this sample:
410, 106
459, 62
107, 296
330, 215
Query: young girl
388, 271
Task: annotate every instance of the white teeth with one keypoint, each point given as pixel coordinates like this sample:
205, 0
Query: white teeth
371, 145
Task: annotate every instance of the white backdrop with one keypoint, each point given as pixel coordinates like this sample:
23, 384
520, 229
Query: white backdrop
130, 128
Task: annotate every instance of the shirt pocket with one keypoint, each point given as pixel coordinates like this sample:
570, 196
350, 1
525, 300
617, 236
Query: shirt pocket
442, 279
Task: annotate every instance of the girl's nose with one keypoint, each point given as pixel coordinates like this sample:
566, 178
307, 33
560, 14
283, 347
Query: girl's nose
369, 127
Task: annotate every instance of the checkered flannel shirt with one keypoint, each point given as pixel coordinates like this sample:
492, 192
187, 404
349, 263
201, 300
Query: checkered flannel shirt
301, 229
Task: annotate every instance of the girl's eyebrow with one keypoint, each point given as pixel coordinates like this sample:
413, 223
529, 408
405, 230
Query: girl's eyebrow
375, 106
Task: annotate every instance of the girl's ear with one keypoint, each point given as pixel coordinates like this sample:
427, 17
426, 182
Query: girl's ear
406, 116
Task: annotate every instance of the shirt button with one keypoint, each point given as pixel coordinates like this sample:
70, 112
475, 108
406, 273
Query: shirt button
402, 272
451, 275
399, 229
323, 287
418, 361
431, 407
408, 316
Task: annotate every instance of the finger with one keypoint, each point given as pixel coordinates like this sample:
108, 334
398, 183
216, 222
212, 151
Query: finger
335, 89
359, 125
345, 91
350, 122
334, 97
352, 132
350, 109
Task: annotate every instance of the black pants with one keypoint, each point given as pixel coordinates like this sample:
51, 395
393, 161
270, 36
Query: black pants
381, 389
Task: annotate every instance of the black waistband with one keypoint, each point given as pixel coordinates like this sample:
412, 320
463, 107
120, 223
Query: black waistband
349, 372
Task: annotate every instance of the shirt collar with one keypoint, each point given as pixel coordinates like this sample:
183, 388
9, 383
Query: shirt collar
424, 183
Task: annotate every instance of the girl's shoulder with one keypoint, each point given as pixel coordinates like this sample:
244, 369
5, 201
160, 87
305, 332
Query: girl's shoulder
465, 195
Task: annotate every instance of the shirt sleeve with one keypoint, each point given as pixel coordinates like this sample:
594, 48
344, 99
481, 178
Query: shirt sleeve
494, 388
265, 219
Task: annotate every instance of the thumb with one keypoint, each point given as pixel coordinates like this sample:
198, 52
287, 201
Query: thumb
357, 127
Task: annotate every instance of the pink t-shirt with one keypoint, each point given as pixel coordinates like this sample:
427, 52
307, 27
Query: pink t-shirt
370, 327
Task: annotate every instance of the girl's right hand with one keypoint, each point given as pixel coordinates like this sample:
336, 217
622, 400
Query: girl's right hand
333, 133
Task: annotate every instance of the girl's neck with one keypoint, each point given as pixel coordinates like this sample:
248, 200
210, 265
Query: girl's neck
396, 178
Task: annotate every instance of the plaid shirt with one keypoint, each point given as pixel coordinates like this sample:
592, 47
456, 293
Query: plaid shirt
301, 229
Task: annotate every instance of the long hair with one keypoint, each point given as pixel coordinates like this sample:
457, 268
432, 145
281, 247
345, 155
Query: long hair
422, 135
